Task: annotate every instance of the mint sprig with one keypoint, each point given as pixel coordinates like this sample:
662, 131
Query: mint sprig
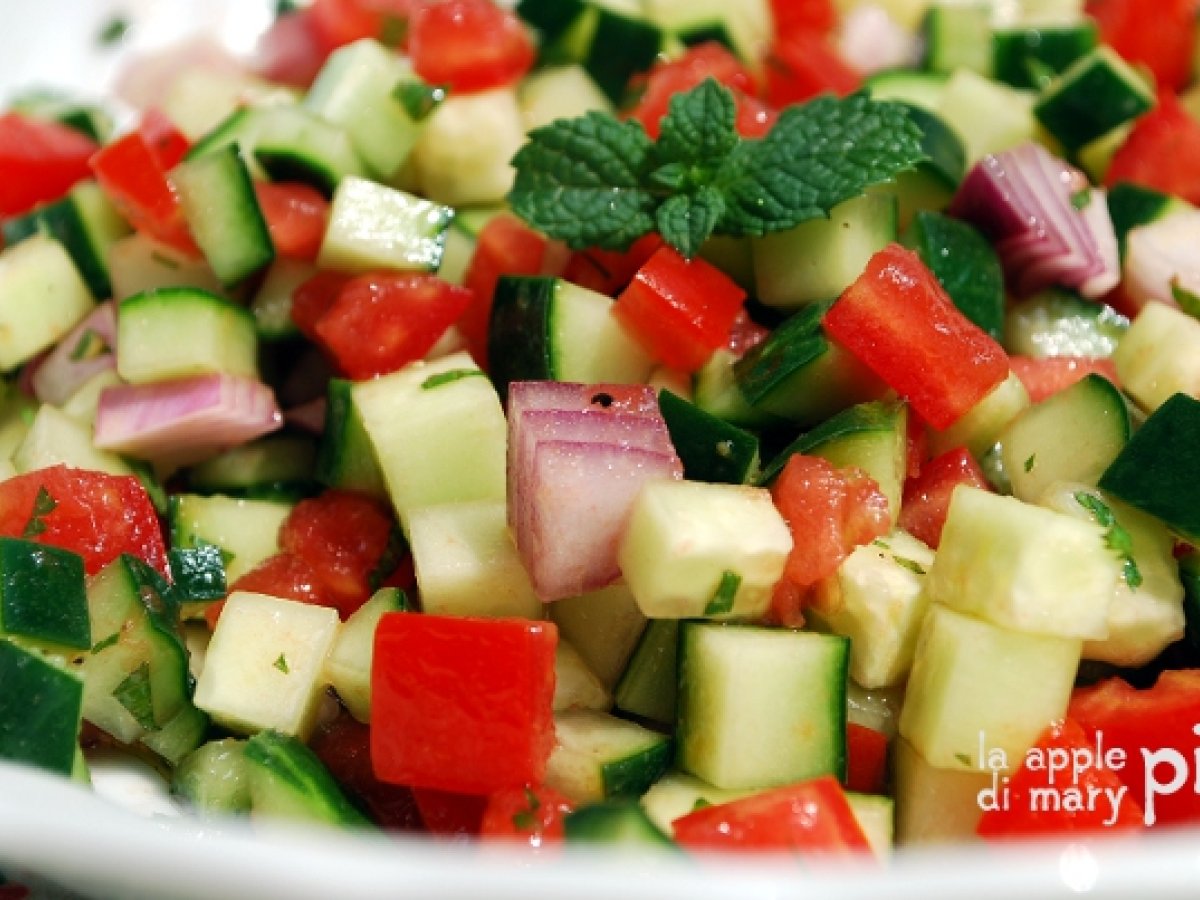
595, 181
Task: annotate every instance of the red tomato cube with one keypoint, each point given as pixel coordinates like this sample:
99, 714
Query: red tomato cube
39, 161
927, 496
462, 704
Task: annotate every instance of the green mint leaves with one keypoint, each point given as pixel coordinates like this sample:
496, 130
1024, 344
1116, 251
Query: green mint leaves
599, 182
1116, 538
43, 505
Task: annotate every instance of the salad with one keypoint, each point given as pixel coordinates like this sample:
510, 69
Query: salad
757, 426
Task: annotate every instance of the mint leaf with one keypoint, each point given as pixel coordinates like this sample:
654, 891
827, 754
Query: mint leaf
1116, 537
817, 156
722, 599
698, 128
686, 221
134, 693
43, 505
1187, 300
580, 181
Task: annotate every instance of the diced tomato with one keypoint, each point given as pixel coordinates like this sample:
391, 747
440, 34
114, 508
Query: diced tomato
313, 298
469, 45
506, 246
1026, 811
745, 335
927, 497
345, 537
1045, 377
131, 175
344, 746
97, 515
609, 271
296, 215
812, 817
898, 320
283, 575
1158, 721
1161, 152
39, 161
866, 759
680, 310
666, 79
803, 15
916, 445
754, 118
462, 704
530, 815
804, 65
1163, 42
829, 512
382, 321
449, 815
339, 22
294, 48
168, 145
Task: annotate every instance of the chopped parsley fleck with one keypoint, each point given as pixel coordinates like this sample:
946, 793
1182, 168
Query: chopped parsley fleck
43, 505
164, 260
89, 346
282, 664
107, 642
112, 31
418, 98
1116, 538
1081, 199
441, 378
963, 758
722, 599
911, 564
1187, 300
134, 693
1030, 462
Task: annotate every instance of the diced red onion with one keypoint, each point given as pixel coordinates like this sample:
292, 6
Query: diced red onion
577, 456
1049, 226
1163, 254
578, 497
871, 40
310, 416
185, 420
60, 375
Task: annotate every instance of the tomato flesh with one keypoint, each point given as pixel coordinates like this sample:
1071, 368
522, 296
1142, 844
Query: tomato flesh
804, 65
707, 60
529, 815
97, 515
927, 496
897, 319
39, 161
296, 214
462, 704
1161, 152
469, 45
866, 759
283, 575
1164, 41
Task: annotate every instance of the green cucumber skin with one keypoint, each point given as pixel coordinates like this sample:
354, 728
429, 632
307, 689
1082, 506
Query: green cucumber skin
965, 265
710, 448
614, 822
42, 594
1029, 57
287, 778
519, 331
62, 221
864, 417
40, 709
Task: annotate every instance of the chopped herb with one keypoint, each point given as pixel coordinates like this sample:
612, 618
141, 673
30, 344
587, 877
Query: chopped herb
881, 544
524, 821
112, 31
1116, 538
722, 600
599, 181
911, 564
418, 98
285, 8
43, 505
135, 695
393, 31
1188, 301
91, 344
532, 799
441, 378
27, 415
963, 758
107, 642
164, 260
1030, 461
1081, 199
700, 803
282, 665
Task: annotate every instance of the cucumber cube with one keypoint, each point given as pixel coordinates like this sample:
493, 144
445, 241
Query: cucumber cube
979, 429
54, 438
247, 531
1024, 567
933, 805
604, 626
1095, 94
42, 596
693, 549
599, 757
974, 684
988, 116
372, 226
42, 733
265, 663
1159, 355
288, 781
42, 297
438, 431
876, 599
348, 667
467, 564
760, 707
576, 687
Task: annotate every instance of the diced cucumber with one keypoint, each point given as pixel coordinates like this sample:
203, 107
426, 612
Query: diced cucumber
348, 666
288, 781
1096, 93
463, 154
934, 805
247, 531
746, 692
921, 89
709, 448
355, 90
1146, 614
217, 197
213, 779
270, 467
817, 260
1131, 205
965, 264
975, 682
559, 92
179, 737
1159, 356
716, 392
678, 793
600, 757
576, 686
550, 329
44, 733
988, 116
87, 119
981, 427
604, 626
1031, 56
692, 549
139, 263
958, 36
42, 597
272, 303
931, 185
54, 438
466, 562
648, 686
265, 663
876, 816
1023, 567
876, 599
81, 405
346, 458
42, 297
614, 822
1033, 450
372, 226
199, 99
1058, 323
176, 332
